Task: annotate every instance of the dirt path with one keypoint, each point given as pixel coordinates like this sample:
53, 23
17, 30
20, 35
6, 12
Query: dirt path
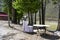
16, 33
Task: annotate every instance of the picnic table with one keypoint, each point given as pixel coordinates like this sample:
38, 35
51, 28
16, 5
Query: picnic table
38, 27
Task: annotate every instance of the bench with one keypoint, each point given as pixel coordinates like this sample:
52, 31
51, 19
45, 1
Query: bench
38, 27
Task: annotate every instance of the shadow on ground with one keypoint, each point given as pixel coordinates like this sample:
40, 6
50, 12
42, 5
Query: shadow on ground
50, 37
31, 33
12, 27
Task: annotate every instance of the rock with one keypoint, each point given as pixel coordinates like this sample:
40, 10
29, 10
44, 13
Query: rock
57, 33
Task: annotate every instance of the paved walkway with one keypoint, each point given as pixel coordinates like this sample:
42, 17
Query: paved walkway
16, 33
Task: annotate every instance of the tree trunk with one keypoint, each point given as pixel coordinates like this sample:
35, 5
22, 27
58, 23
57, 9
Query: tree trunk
58, 28
8, 17
43, 11
14, 16
40, 16
18, 21
9, 11
31, 19
35, 19
28, 17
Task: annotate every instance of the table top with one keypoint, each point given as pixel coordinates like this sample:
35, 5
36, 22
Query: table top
38, 25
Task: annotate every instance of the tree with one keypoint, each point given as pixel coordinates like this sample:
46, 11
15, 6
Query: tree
5, 9
19, 13
8, 3
58, 28
58, 2
40, 14
14, 14
43, 11
27, 6
35, 19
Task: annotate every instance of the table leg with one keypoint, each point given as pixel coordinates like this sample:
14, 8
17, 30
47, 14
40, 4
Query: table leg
45, 31
38, 33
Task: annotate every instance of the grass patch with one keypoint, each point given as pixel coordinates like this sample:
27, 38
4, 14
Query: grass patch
53, 26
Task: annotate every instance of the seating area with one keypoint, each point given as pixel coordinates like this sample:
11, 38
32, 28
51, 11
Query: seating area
41, 27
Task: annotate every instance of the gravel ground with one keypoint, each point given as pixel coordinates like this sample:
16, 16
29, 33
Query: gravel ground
15, 32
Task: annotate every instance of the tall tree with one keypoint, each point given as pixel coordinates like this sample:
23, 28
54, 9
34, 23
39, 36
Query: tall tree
58, 2
27, 6
58, 28
43, 11
9, 6
35, 18
40, 14
17, 7
14, 15
28, 17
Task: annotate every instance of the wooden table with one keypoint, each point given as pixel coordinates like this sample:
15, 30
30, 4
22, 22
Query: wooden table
38, 26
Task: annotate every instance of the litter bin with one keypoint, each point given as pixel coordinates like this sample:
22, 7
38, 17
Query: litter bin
27, 28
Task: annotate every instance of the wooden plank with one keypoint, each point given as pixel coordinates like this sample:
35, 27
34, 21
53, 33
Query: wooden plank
41, 25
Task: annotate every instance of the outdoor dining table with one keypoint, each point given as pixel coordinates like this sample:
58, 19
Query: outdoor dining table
38, 26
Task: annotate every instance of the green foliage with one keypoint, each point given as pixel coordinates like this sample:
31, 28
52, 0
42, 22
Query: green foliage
25, 5
7, 5
17, 6
55, 1
7, 2
5, 9
19, 16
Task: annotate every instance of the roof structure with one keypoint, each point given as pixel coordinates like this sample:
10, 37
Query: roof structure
3, 14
